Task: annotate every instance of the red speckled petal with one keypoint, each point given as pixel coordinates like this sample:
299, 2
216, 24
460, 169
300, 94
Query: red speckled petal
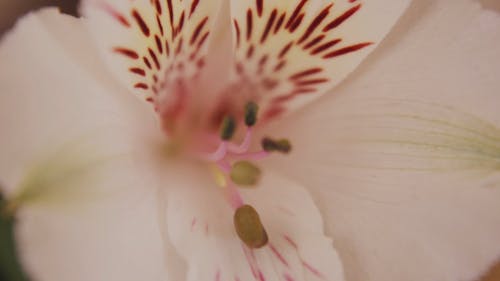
200, 225
153, 45
292, 51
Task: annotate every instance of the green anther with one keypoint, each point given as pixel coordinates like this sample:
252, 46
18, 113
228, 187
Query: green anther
271, 145
251, 111
249, 227
245, 173
228, 128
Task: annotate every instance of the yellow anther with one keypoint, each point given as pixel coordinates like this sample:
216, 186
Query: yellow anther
219, 177
249, 227
245, 173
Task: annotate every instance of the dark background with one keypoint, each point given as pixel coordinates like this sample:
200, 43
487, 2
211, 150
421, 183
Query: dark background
10, 10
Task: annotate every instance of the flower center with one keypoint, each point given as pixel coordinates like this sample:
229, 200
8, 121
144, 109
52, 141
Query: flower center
233, 166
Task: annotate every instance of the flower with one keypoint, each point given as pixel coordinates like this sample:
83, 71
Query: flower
402, 176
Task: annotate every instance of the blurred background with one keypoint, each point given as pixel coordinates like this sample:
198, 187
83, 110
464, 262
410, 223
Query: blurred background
10, 10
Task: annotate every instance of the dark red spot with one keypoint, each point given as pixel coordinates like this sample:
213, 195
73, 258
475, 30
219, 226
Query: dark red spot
280, 22
147, 63
193, 7
296, 23
311, 82
138, 71
170, 12
249, 24
116, 15
181, 23
141, 23
197, 30
260, 6
154, 57
340, 19
167, 48
160, 25
158, 6
238, 33
285, 50
159, 44
315, 23
347, 50
143, 86
279, 66
307, 72
263, 61
325, 46
179, 46
314, 41
126, 52
269, 25
295, 13
250, 51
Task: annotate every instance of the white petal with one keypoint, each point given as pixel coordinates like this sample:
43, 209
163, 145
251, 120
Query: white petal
200, 225
67, 138
404, 162
154, 45
292, 51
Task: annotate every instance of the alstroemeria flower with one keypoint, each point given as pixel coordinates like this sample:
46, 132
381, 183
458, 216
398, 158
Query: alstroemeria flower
389, 177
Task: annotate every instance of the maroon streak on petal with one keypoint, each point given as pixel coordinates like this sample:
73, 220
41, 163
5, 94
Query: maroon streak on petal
315, 23
138, 71
325, 46
269, 25
347, 50
314, 41
115, 14
238, 33
141, 23
339, 20
305, 73
260, 7
285, 50
197, 30
280, 22
295, 13
249, 24
296, 23
143, 86
126, 52
194, 5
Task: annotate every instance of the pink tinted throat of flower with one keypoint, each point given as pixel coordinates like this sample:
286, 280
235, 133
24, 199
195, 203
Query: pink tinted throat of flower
233, 165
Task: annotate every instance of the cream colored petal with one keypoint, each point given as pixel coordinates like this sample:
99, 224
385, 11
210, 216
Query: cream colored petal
200, 226
404, 161
291, 52
69, 162
158, 48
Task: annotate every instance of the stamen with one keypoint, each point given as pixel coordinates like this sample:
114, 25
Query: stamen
244, 146
253, 156
251, 111
217, 155
249, 227
271, 145
245, 173
228, 128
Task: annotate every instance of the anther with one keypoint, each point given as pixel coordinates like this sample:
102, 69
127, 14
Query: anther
245, 173
228, 128
251, 111
249, 227
271, 145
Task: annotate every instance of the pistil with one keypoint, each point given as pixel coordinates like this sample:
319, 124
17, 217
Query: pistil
233, 166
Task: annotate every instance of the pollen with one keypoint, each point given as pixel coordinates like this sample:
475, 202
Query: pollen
245, 173
249, 227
